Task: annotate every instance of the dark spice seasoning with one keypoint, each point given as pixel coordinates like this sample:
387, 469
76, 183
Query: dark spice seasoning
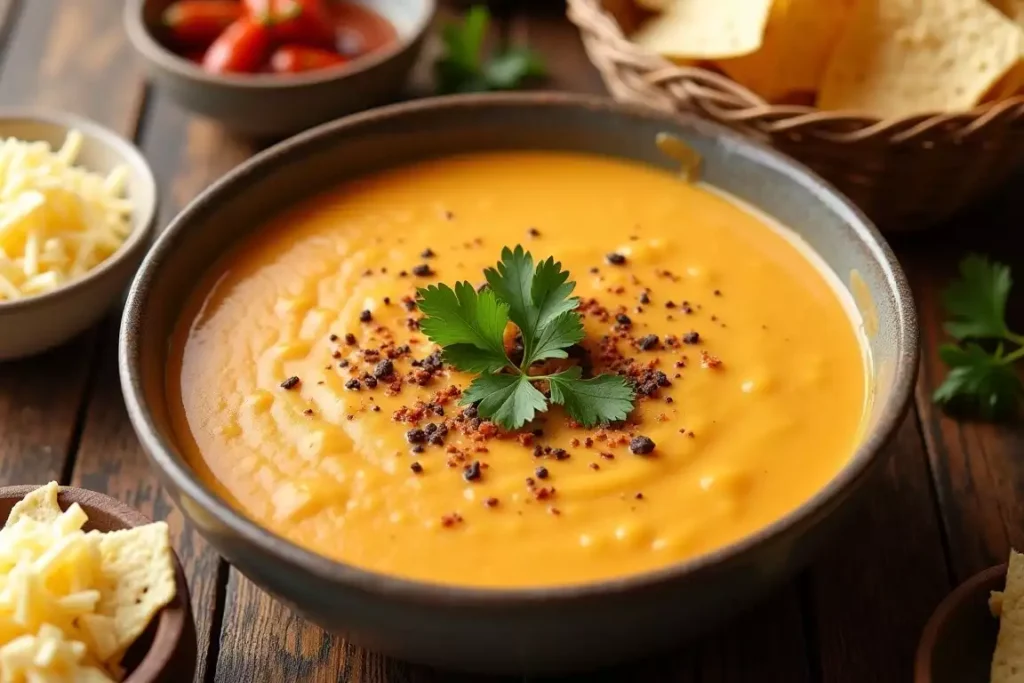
427, 253
648, 342
691, 337
385, 368
353, 384
641, 445
291, 383
541, 472
471, 472
350, 339
422, 270
615, 259
416, 467
365, 316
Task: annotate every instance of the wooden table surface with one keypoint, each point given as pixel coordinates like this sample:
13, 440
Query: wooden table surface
946, 507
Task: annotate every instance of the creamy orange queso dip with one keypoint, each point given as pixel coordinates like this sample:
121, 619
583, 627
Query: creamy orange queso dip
754, 413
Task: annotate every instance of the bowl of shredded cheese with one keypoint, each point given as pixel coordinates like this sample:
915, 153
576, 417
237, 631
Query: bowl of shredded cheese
77, 207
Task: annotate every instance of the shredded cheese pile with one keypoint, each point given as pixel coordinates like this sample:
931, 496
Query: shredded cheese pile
57, 221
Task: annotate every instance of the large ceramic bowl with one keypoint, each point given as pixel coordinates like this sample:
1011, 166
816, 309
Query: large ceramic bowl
514, 630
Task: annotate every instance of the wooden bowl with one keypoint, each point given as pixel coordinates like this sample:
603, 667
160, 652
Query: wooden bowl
959, 639
166, 651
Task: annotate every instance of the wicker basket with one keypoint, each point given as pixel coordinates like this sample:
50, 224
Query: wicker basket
905, 173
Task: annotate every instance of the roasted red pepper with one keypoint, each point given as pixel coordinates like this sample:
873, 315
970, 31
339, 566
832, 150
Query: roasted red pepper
197, 23
241, 48
305, 22
291, 59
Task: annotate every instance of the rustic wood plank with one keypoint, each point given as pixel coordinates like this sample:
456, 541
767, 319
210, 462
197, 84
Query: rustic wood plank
51, 51
977, 468
543, 27
884, 574
186, 154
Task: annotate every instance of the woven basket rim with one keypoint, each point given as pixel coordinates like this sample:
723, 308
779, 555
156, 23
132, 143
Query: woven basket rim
743, 104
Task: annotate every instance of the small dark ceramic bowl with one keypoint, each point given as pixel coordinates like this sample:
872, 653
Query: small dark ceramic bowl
166, 651
958, 642
273, 106
532, 629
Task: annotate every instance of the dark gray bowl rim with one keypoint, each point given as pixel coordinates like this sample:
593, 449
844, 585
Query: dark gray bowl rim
145, 42
142, 225
440, 594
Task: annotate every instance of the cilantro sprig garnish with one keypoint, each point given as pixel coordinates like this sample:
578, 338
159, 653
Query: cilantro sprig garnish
981, 379
463, 66
469, 326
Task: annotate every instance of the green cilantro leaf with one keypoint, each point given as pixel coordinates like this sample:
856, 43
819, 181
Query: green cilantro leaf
461, 318
463, 67
980, 382
555, 337
605, 398
508, 69
977, 301
509, 400
537, 299
535, 296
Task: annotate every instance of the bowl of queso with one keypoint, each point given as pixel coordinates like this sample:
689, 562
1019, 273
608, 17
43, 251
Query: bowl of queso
282, 376
270, 68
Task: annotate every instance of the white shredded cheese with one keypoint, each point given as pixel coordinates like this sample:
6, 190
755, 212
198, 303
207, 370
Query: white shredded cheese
58, 221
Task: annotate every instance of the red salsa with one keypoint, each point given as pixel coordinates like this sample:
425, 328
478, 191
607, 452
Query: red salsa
274, 36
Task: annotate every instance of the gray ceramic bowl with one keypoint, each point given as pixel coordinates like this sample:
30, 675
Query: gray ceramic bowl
513, 630
268, 105
34, 324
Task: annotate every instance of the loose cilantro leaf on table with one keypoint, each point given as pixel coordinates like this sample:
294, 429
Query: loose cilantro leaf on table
469, 326
463, 67
981, 382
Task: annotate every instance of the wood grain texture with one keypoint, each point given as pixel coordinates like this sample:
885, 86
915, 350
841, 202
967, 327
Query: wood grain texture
52, 50
186, 155
977, 467
871, 593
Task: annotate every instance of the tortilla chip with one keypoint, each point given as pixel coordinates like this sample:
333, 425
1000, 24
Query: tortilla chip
902, 57
798, 39
40, 505
1008, 660
139, 567
1014, 9
706, 29
655, 5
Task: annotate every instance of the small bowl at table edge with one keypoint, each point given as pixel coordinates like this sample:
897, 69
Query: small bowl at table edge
37, 323
959, 639
272, 106
169, 641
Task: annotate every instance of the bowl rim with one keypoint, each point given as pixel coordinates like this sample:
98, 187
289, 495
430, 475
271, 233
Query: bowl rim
175, 469
142, 223
171, 624
949, 606
142, 38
